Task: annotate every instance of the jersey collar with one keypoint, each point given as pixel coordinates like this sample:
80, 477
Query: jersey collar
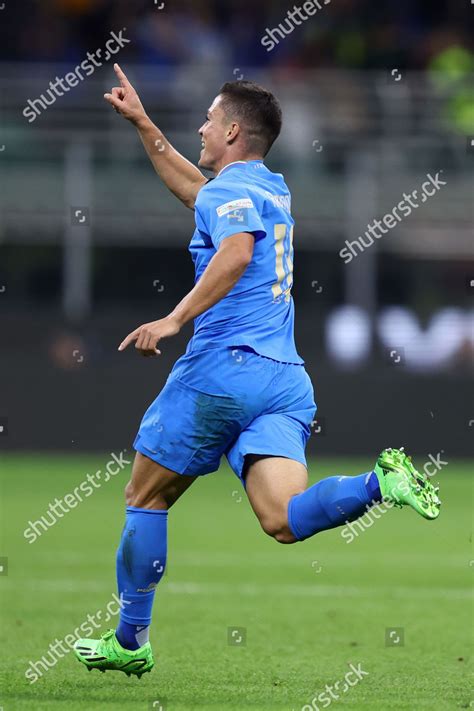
237, 162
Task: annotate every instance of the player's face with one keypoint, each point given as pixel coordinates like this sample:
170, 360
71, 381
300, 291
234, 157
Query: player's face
213, 136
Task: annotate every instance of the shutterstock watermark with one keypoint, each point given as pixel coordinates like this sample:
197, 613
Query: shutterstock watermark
404, 209
62, 85
61, 506
60, 647
376, 509
435, 462
326, 697
294, 18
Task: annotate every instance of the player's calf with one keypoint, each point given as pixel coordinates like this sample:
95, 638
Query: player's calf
141, 563
289, 512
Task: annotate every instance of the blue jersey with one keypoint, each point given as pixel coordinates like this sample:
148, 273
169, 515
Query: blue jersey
258, 312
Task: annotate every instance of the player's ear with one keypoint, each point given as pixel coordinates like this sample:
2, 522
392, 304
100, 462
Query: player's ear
233, 131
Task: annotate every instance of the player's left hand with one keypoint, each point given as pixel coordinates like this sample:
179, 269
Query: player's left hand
148, 335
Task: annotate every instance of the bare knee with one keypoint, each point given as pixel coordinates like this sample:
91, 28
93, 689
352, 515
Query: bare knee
144, 498
277, 527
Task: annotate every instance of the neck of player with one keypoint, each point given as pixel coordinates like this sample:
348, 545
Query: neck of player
220, 165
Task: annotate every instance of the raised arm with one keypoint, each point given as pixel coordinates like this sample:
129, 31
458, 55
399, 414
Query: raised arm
178, 174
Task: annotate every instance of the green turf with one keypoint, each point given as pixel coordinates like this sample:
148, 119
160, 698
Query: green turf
309, 609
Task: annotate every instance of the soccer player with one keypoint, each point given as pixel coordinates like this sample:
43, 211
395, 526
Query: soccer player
241, 388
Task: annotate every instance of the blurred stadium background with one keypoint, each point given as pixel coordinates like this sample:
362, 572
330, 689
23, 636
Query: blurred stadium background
376, 95
374, 98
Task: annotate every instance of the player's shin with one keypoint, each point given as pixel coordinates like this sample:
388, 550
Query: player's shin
332, 502
141, 561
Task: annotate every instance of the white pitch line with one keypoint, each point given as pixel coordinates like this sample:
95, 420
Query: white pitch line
316, 589
210, 559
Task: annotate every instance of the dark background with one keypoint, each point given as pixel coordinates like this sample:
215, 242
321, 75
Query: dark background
355, 138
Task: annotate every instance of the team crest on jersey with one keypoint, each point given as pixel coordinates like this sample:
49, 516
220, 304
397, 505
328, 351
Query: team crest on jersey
233, 206
238, 217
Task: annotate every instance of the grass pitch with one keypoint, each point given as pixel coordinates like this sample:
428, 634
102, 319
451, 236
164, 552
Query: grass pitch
240, 622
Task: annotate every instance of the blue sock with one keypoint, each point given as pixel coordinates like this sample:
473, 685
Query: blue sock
331, 502
373, 487
141, 560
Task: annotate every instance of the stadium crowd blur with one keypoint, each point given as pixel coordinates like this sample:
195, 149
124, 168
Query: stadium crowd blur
73, 292
360, 34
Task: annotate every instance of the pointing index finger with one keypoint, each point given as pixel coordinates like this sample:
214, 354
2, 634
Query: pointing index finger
121, 75
131, 337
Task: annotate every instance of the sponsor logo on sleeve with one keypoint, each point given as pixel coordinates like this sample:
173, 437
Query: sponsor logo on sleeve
233, 206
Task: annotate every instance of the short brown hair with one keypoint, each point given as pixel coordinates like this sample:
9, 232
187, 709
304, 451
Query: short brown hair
257, 109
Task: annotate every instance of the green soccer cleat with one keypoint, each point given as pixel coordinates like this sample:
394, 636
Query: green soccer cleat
402, 484
107, 653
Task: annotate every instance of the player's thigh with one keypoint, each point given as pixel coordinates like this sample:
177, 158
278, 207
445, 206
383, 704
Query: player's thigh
153, 486
270, 483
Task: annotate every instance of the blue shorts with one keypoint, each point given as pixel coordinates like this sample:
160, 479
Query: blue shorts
228, 401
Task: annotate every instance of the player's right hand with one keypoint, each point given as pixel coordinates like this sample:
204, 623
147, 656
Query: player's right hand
125, 99
148, 335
